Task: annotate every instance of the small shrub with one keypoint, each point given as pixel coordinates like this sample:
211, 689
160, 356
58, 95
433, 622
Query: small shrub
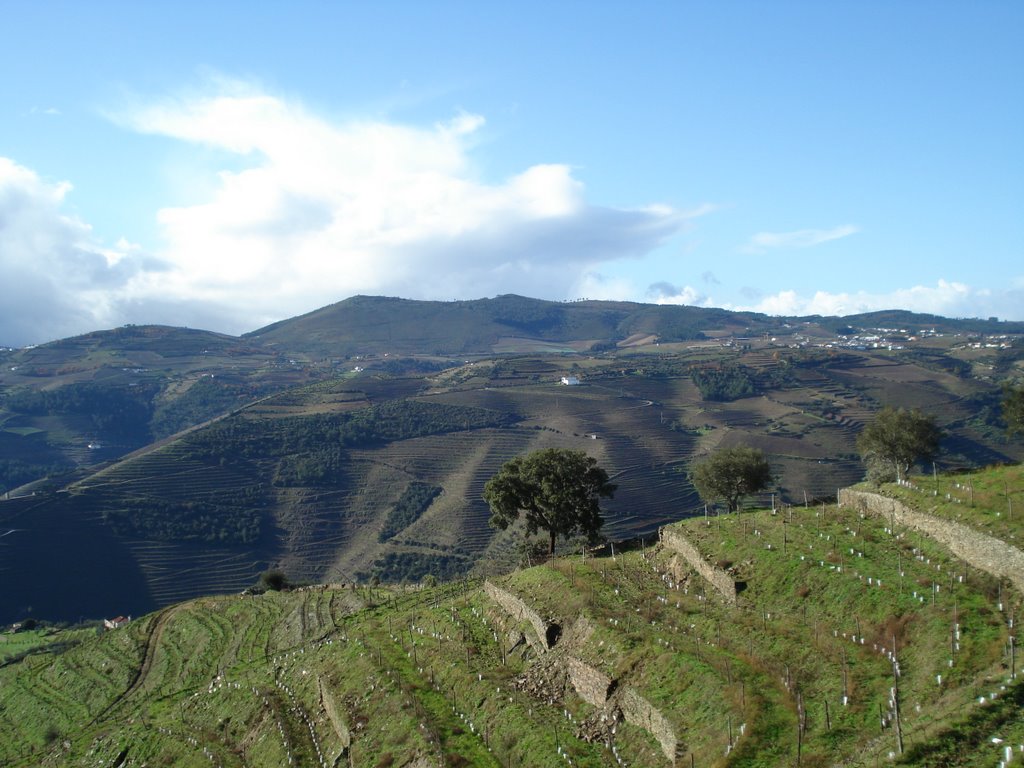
273, 580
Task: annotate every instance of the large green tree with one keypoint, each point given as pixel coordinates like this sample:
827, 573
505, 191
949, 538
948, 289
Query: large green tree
556, 489
730, 474
896, 440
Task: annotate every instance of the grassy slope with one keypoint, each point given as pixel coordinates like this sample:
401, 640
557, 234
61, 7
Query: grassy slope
401, 676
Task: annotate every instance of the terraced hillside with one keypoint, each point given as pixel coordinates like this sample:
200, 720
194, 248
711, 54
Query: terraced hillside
816, 635
307, 479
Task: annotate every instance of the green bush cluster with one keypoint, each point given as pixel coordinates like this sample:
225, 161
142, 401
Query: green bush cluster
120, 411
724, 383
205, 399
397, 567
414, 501
242, 438
213, 520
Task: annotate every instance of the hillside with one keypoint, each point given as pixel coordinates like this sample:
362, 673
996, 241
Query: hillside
77, 403
144, 465
373, 325
319, 479
815, 636
365, 325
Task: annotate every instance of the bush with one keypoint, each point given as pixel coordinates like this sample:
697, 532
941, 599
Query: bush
273, 580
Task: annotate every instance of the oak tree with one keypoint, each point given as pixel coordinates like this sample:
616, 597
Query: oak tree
896, 440
557, 490
730, 474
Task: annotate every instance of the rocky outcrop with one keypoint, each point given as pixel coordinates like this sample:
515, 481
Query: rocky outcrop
719, 579
978, 549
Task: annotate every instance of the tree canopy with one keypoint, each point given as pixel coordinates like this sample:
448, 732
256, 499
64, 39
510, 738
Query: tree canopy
558, 490
896, 440
730, 474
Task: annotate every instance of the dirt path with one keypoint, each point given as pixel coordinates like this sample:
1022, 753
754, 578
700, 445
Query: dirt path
152, 643
155, 636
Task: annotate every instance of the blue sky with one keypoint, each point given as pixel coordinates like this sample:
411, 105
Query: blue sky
225, 164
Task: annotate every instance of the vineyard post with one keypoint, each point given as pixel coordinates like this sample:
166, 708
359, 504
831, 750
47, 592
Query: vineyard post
896, 696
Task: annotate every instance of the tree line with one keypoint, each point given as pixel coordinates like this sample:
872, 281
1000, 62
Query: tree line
558, 490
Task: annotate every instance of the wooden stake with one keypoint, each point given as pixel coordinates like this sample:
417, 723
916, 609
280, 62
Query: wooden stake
896, 698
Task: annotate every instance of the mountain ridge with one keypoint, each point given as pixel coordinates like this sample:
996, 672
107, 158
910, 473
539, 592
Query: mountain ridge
181, 451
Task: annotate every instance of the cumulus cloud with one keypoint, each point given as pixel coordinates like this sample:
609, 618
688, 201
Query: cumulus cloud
948, 298
322, 210
58, 278
666, 293
801, 238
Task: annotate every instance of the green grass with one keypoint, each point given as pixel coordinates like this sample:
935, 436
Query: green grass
385, 676
990, 500
15, 644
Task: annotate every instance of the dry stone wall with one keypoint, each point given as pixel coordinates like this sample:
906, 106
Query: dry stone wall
520, 611
337, 721
980, 550
590, 684
599, 690
721, 581
641, 713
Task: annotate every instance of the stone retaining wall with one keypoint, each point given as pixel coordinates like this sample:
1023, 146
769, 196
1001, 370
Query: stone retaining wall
641, 713
978, 549
591, 684
597, 689
520, 611
721, 581
337, 721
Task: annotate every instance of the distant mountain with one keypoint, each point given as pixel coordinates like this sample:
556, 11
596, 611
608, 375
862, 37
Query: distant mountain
913, 322
372, 324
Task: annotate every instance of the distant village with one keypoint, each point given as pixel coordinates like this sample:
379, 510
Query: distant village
885, 338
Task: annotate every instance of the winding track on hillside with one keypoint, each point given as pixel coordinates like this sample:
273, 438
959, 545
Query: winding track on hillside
153, 641
158, 444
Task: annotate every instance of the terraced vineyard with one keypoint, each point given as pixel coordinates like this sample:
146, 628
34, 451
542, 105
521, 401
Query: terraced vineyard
305, 479
814, 635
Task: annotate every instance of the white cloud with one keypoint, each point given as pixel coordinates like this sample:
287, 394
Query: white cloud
323, 210
58, 278
666, 293
802, 238
947, 298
